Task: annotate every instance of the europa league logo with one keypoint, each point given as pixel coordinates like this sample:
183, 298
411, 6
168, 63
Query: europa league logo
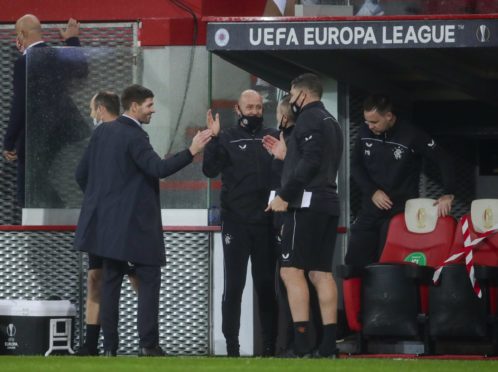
483, 34
11, 330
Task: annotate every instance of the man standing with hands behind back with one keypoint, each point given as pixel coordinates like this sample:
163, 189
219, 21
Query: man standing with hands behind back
120, 218
29, 35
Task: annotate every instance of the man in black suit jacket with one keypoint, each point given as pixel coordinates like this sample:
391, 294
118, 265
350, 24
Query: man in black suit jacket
120, 217
29, 35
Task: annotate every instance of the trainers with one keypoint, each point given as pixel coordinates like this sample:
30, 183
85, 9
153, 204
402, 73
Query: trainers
334, 355
290, 353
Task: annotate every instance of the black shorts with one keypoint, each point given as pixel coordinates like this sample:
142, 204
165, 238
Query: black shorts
96, 263
308, 240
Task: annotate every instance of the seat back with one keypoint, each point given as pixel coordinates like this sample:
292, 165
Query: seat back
418, 236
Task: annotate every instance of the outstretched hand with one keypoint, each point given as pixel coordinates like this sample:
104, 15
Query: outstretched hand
200, 140
72, 29
277, 147
213, 123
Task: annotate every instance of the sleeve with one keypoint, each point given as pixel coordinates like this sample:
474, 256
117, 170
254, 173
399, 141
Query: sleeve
310, 145
17, 110
215, 158
151, 164
359, 172
73, 60
82, 169
430, 150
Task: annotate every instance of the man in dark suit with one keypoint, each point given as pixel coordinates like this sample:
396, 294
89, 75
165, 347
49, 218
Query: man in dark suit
120, 217
29, 35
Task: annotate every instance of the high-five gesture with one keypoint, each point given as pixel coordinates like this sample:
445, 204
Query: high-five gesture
200, 140
213, 123
72, 29
277, 147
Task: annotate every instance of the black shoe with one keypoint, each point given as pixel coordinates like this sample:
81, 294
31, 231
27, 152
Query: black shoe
268, 352
84, 350
155, 351
290, 353
334, 355
109, 353
233, 348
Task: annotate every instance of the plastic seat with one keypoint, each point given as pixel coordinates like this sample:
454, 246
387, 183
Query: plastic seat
456, 313
389, 299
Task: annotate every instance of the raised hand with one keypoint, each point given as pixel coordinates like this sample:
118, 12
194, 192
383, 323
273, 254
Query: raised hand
277, 147
213, 123
72, 29
200, 140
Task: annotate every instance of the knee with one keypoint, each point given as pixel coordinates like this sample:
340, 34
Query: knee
291, 274
94, 284
319, 277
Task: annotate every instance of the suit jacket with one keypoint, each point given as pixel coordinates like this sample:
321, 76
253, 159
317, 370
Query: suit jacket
16, 129
119, 173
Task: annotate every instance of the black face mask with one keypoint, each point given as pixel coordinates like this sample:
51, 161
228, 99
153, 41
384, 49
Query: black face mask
281, 125
297, 108
253, 122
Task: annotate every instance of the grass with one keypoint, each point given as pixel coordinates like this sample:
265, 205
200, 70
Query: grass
219, 364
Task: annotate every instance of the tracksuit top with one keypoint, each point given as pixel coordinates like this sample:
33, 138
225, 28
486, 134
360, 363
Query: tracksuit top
392, 161
246, 172
314, 151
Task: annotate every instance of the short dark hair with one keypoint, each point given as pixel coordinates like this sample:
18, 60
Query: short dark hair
309, 81
109, 100
135, 93
379, 102
286, 106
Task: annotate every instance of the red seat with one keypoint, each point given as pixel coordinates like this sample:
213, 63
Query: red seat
386, 298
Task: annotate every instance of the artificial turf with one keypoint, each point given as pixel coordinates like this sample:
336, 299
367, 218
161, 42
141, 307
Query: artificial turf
200, 364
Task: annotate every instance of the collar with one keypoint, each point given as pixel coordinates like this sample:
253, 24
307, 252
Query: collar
135, 120
31, 46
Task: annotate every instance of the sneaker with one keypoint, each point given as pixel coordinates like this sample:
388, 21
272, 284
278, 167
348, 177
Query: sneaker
290, 353
334, 355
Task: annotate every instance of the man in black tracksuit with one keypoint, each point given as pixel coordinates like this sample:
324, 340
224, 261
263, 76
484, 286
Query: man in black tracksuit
386, 164
245, 166
309, 195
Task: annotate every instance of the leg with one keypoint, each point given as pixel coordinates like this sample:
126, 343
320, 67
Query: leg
149, 285
113, 272
236, 248
263, 273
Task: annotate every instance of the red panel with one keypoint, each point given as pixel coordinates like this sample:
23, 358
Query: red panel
352, 302
233, 7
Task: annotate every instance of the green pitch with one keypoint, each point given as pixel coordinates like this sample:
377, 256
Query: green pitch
174, 364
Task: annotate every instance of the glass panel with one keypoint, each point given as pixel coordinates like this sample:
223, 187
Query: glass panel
60, 84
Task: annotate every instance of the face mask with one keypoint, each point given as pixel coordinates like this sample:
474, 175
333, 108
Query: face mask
253, 122
96, 122
297, 108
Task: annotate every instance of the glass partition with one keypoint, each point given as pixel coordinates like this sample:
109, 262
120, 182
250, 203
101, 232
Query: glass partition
60, 84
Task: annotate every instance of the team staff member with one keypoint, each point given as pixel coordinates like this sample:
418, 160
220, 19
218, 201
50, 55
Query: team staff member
28, 35
245, 168
386, 164
104, 107
309, 194
120, 218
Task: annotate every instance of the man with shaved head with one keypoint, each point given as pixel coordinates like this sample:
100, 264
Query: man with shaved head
245, 167
28, 35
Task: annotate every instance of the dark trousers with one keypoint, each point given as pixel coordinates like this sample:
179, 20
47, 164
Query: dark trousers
149, 283
241, 241
368, 233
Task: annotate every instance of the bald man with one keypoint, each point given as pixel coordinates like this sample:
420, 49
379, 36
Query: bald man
238, 155
28, 35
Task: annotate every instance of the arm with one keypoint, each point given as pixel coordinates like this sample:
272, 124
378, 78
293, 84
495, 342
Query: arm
215, 158
81, 174
17, 111
359, 172
74, 61
310, 144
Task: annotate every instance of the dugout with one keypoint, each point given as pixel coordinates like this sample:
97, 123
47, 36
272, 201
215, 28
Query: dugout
440, 69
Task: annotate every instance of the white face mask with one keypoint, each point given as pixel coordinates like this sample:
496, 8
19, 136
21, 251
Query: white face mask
96, 122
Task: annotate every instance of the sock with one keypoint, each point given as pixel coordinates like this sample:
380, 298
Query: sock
301, 344
328, 345
92, 336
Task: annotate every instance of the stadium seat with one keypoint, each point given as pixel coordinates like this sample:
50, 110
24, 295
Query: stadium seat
389, 299
456, 313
